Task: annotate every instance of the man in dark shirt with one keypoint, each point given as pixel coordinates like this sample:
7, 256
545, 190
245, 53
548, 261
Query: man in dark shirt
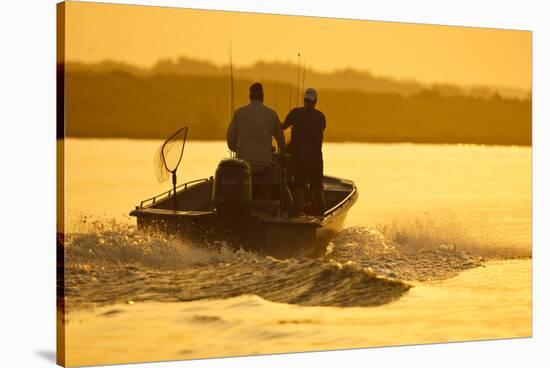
306, 141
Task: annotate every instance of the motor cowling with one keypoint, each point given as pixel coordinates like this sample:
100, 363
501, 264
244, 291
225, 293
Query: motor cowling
232, 186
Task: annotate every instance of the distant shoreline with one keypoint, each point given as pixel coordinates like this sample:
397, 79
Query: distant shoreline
120, 104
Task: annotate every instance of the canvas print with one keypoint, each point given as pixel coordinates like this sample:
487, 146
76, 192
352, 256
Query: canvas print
235, 183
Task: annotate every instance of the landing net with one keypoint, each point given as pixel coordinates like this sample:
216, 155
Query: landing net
169, 154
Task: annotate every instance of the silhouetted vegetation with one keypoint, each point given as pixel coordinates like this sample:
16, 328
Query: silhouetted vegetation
110, 100
346, 79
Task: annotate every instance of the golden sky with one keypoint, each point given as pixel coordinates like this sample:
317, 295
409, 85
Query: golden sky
141, 35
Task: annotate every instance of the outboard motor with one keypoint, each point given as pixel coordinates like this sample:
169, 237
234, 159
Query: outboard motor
232, 192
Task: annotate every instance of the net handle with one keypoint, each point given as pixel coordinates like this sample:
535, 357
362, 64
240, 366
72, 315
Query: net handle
185, 129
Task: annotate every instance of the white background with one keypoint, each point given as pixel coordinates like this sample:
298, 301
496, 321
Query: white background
27, 180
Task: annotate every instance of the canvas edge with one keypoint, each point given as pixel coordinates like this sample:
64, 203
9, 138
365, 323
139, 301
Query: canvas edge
60, 185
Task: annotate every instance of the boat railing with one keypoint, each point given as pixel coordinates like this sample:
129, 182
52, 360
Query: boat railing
341, 204
168, 193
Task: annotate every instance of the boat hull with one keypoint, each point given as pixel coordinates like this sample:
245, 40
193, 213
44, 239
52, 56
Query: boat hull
277, 239
266, 233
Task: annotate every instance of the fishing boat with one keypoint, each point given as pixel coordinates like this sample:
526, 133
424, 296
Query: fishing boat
223, 210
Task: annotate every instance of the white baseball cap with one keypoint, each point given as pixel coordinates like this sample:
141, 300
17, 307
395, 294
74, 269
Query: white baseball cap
310, 94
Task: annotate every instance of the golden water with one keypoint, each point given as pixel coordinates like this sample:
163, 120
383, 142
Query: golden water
487, 303
476, 199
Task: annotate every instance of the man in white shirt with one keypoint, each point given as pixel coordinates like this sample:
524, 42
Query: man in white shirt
251, 129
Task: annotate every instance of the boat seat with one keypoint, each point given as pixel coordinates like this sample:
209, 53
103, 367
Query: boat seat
271, 206
269, 175
266, 183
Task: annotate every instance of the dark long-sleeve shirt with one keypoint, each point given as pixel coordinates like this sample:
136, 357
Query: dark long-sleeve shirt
308, 125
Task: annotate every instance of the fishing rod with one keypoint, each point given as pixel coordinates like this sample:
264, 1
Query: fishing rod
304, 79
232, 85
289, 97
275, 92
298, 81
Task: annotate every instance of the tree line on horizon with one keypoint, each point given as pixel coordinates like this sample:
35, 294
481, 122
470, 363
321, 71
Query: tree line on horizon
286, 72
121, 103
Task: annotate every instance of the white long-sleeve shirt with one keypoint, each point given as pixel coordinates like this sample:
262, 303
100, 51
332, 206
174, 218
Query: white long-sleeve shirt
250, 131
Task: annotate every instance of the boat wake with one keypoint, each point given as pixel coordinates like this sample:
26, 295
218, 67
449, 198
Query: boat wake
110, 262
418, 250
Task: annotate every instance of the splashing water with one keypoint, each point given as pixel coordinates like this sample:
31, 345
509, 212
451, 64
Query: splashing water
418, 250
114, 243
110, 262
